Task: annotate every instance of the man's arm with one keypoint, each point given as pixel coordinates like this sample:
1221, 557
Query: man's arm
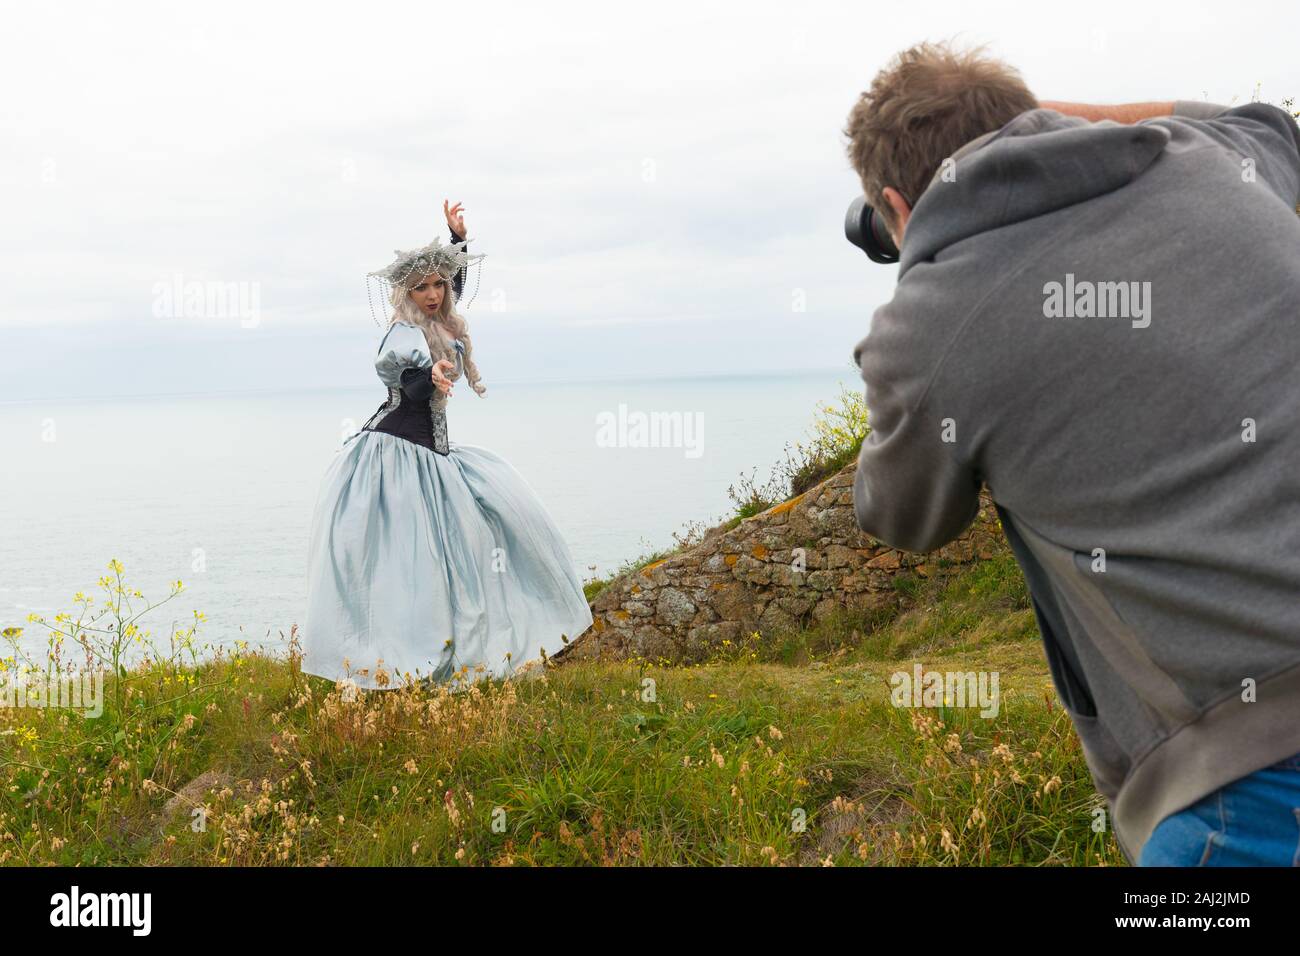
1258, 130
910, 490
1119, 112
1135, 112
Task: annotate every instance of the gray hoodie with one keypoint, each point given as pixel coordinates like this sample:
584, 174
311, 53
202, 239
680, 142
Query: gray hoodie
1102, 323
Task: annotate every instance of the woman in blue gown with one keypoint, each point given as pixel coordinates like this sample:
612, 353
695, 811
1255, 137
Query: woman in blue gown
430, 558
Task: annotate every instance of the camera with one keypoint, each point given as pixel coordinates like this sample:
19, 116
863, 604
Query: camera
865, 228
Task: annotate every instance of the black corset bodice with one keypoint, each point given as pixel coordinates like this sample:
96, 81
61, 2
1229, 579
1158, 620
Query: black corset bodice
411, 415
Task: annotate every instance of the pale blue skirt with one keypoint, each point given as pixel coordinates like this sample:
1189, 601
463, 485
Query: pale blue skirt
422, 564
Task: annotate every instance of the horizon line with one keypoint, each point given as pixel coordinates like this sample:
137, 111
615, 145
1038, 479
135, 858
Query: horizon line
767, 373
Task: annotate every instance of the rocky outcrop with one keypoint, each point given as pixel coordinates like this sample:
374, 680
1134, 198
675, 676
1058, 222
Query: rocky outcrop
797, 562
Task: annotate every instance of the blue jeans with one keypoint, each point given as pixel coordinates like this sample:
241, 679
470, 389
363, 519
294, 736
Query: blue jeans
1254, 821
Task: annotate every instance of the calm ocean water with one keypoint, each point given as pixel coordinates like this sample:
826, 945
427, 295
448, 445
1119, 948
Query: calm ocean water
218, 490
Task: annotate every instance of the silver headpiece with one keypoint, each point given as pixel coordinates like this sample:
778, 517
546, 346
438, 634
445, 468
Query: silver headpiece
446, 260
435, 257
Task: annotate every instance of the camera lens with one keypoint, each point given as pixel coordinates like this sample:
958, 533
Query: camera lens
865, 228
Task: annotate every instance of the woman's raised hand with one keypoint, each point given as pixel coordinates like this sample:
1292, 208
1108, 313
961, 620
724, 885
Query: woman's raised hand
440, 380
455, 217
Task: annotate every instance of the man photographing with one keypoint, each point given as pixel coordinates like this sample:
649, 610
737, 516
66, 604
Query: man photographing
1098, 316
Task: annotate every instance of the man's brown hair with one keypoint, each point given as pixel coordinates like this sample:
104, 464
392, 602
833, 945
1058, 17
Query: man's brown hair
922, 107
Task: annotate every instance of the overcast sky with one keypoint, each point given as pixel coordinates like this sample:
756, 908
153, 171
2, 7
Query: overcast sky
659, 188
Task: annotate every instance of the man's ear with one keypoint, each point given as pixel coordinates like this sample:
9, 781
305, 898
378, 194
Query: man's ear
902, 212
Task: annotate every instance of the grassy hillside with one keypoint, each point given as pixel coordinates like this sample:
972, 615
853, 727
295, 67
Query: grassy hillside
785, 751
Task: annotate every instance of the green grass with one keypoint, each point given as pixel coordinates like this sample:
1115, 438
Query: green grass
786, 751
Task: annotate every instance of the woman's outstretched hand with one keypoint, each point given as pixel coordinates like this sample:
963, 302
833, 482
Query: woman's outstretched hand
455, 217
440, 380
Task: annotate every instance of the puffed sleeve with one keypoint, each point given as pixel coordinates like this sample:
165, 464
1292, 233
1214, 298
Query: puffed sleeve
404, 362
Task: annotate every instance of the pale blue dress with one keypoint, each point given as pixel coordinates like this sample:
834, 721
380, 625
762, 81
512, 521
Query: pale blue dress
424, 563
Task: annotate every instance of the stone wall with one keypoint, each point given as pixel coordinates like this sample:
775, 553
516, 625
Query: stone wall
744, 579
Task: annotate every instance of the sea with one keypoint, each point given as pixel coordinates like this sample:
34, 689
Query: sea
217, 490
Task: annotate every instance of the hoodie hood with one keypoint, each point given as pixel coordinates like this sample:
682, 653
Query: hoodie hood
1038, 163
